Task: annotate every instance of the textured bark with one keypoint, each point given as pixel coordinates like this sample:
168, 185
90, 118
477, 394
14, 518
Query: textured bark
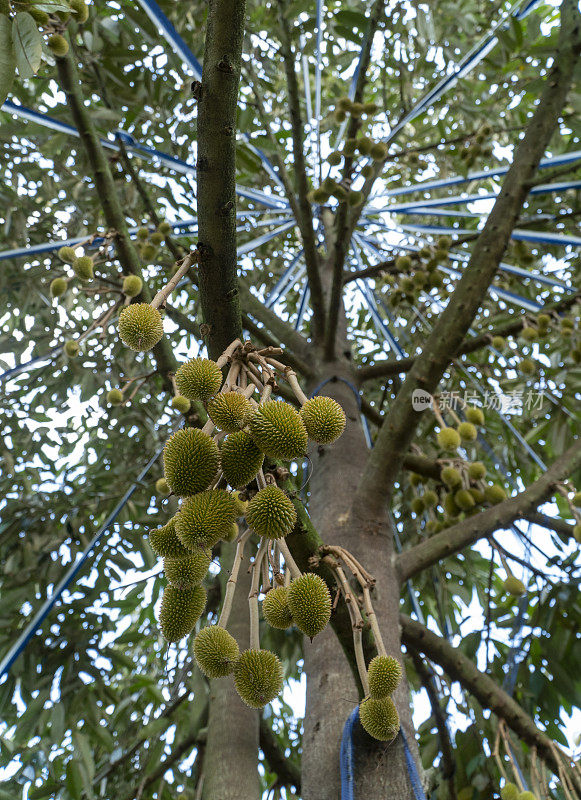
231, 758
216, 173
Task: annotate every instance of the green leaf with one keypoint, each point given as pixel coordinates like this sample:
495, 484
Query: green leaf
27, 44
74, 780
7, 58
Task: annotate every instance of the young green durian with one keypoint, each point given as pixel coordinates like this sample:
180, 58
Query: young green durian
180, 610
448, 439
514, 586
67, 254
140, 326
379, 718
467, 431
464, 500
115, 397
199, 379
58, 287
271, 514
58, 45
275, 608
185, 572
258, 677
205, 518
230, 411
403, 263
509, 792
451, 476
498, 342
309, 601
190, 461
81, 10
474, 415
241, 459
162, 486
83, 268
216, 651
71, 349
132, 285
181, 404
495, 494
476, 470
384, 674
278, 430
323, 418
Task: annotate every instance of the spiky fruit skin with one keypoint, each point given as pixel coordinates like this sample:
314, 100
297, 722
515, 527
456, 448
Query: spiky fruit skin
83, 267
71, 349
476, 470
181, 404
258, 677
384, 675
464, 500
479, 497
378, 152
495, 494
271, 514
216, 651
450, 506
241, 505
188, 571
205, 518
240, 458
509, 792
180, 610
38, 15
81, 9
164, 227
324, 419
162, 486
527, 366
115, 397
474, 415
58, 45
577, 499
156, 237
140, 326
529, 334
58, 287
132, 285
232, 533
275, 608
498, 342
417, 505
229, 411
67, 254
278, 430
165, 543
199, 379
467, 431
526, 796
309, 601
379, 718
514, 586
430, 498
190, 461
451, 476
448, 439
403, 263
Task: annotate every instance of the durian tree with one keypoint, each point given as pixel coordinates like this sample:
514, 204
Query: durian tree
319, 509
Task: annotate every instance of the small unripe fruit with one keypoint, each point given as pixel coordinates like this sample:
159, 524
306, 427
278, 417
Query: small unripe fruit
241, 459
403, 263
467, 431
415, 479
514, 586
162, 487
357, 109
181, 404
132, 285
39, 16
149, 252
577, 532
115, 397
464, 500
156, 238
324, 419
430, 498
215, 651
309, 601
364, 145
576, 500
476, 470
71, 348
509, 792
474, 415
378, 152
479, 497
450, 476
258, 677
205, 518
165, 543
275, 608
190, 461
355, 198
270, 513
379, 718
498, 342
230, 411
67, 254
140, 326
142, 234
232, 534
384, 675
370, 108
199, 379
529, 334
334, 159
543, 321
185, 572
58, 45
81, 10
417, 505
495, 494
367, 170
83, 268
58, 287
340, 116
527, 366
180, 610
241, 505
278, 430
448, 439
344, 103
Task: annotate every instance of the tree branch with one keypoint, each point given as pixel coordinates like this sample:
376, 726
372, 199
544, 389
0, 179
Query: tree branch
216, 173
470, 530
305, 219
562, 528
452, 325
288, 774
460, 668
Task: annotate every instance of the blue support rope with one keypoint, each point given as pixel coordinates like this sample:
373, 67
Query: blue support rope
542, 237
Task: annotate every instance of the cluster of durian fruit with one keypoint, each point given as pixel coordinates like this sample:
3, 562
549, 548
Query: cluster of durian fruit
149, 242
416, 275
50, 24
476, 146
206, 468
510, 791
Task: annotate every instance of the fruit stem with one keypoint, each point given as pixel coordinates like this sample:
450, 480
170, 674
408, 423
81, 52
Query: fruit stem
228, 352
292, 380
231, 583
253, 595
164, 293
288, 559
372, 617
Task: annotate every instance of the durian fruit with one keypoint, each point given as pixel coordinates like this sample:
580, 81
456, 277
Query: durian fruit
370, 108
379, 718
190, 461
451, 476
320, 196
474, 415
512, 585
364, 145
378, 152
495, 494
140, 326
240, 459
430, 498
132, 285
165, 543
529, 334
498, 342
232, 534
344, 104
205, 518
464, 500
450, 506
164, 227
115, 397
187, 571
230, 411
149, 252
216, 651
415, 479
162, 487
38, 15
181, 404
309, 601
81, 10
275, 608
83, 268
241, 505
526, 796
58, 287
357, 109
448, 439
479, 496
367, 170
509, 792
576, 499
476, 470
527, 366
340, 116
58, 45
71, 348
567, 326
417, 505
270, 513
258, 677
324, 419
334, 159
384, 674
355, 198
199, 379
350, 147
142, 234
180, 610
467, 431
278, 430
67, 254
156, 238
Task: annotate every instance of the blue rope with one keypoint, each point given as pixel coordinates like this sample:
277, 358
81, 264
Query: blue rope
412, 769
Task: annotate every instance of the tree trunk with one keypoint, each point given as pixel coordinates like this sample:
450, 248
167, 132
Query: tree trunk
331, 691
231, 757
